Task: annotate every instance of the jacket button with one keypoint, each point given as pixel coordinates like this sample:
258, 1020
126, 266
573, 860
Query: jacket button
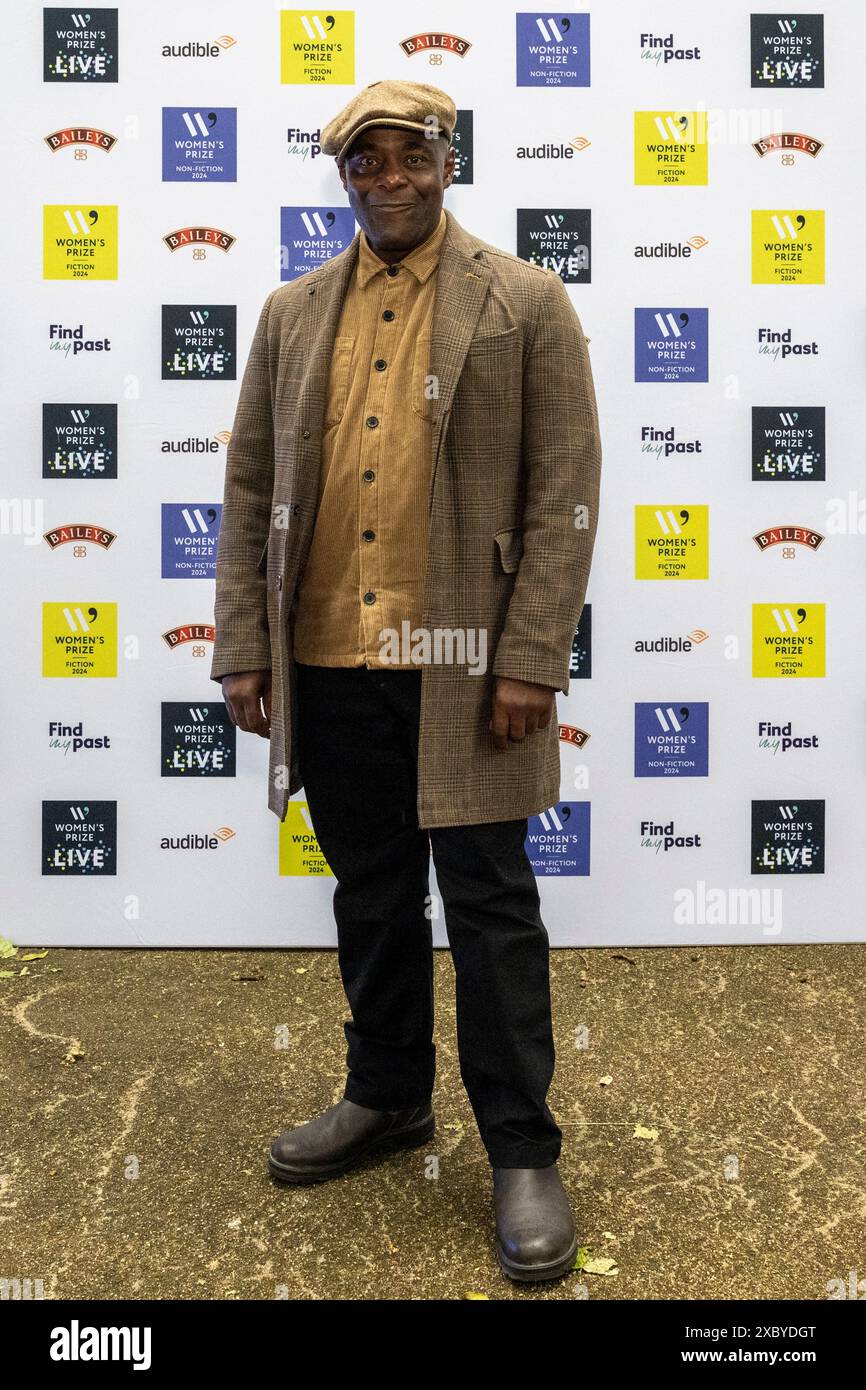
369, 597
306, 434
368, 475
372, 421
279, 581
380, 364
369, 535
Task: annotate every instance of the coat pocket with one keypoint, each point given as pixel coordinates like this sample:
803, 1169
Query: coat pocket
509, 542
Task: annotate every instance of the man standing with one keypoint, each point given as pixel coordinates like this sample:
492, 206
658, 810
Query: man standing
411, 501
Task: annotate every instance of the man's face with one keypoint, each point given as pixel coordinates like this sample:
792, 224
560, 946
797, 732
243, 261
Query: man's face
395, 180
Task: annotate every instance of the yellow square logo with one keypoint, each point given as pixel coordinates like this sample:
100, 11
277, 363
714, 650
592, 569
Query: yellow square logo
300, 855
788, 639
788, 247
670, 147
79, 242
79, 639
317, 46
672, 541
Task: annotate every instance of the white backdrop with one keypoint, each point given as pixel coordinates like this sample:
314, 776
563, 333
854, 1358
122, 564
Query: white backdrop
74, 878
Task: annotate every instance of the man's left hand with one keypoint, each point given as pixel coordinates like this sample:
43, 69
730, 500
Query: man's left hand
519, 708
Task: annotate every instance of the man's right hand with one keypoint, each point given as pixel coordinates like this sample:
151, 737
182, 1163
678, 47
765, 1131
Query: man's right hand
245, 692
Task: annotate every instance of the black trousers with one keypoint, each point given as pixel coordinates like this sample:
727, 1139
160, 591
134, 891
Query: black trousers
358, 739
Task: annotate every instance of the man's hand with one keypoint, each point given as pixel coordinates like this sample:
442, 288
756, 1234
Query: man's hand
519, 708
243, 691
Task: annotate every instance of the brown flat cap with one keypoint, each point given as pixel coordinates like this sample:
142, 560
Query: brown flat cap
412, 105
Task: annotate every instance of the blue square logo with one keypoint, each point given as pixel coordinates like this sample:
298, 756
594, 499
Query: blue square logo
199, 144
190, 531
552, 50
671, 740
309, 236
557, 840
671, 344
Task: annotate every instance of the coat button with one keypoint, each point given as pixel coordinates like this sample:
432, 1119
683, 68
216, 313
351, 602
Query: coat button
369, 597
372, 421
279, 581
392, 270
368, 535
388, 315
380, 364
368, 475
306, 434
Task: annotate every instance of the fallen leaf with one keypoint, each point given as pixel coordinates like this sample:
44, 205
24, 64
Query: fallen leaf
641, 1132
6, 974
301, 970
606, 1081
73, 1054
6, 948
35, 955
581, 1257
600, 1266
473, 1295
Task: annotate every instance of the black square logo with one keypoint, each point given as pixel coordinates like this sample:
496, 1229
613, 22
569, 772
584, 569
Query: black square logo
79, 45
198, 740
787, 50
79, 838
199, 342
558, 239
787, 837
788, 443
464, 161
79, 440
580, 664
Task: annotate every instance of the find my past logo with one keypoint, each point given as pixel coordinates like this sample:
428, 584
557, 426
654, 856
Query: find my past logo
788, 640
788, 247
79, 243
79, 639
671, 541
670, 147
317, 47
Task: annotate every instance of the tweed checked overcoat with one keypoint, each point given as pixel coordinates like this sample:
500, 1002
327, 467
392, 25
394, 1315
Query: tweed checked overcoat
512, 513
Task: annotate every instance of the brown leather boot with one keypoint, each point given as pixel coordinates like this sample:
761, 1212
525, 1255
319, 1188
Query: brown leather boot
535, 1235
342, 1137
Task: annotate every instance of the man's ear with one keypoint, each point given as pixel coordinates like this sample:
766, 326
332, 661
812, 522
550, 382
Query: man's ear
341, 170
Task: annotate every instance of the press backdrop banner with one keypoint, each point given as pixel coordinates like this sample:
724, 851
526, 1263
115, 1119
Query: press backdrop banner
695, 176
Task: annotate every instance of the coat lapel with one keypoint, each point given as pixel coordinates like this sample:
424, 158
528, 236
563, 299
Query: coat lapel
461, 288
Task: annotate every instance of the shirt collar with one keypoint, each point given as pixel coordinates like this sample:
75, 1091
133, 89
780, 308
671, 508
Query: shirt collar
422, 260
